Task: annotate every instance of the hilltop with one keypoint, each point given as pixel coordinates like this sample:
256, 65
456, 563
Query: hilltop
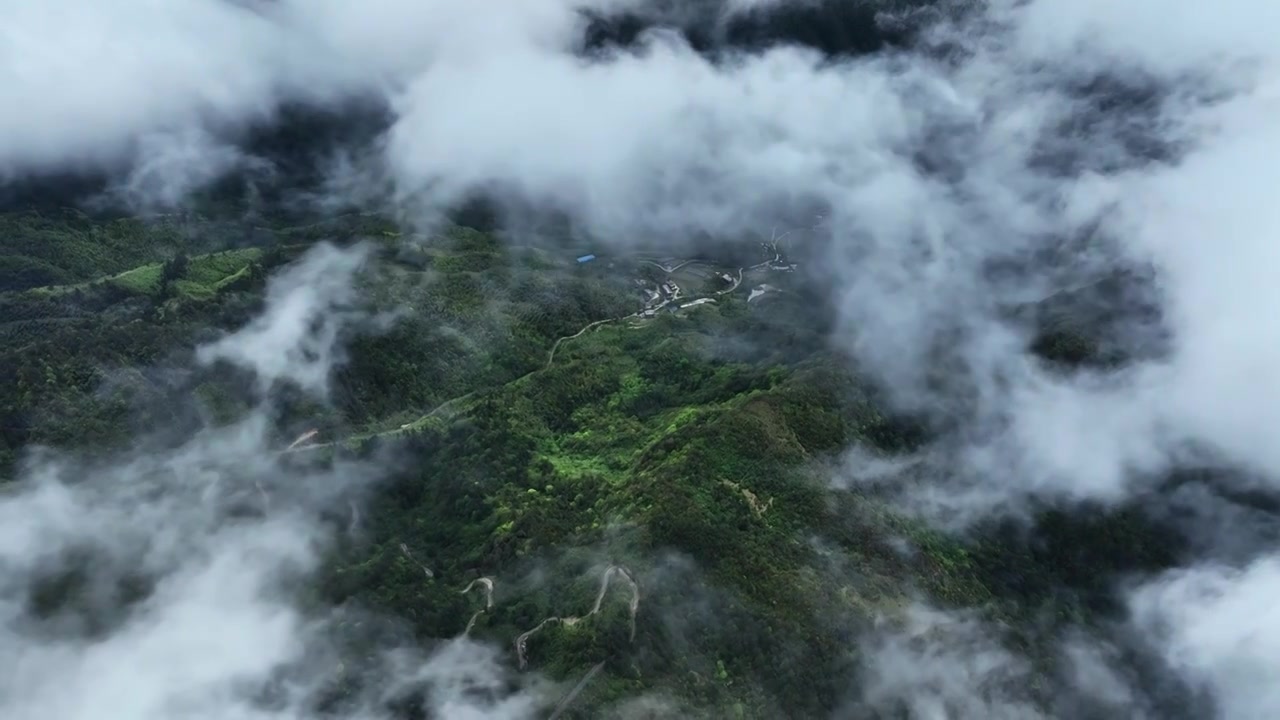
651, 438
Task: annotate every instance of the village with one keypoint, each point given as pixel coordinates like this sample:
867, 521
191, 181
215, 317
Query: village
665, 286
671, 285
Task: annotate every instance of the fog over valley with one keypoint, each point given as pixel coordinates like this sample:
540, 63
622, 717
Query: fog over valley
639, 359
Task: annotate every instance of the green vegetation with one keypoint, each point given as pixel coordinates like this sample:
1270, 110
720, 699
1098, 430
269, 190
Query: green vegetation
67, 247
640, 446
694, 450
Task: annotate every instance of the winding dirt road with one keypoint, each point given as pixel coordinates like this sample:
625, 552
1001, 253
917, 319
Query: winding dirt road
405, 549
303, 439
306, 441
551, 356
487, 584
522, 641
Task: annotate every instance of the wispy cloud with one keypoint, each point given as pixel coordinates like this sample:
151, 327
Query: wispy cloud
1023, 149
296, 338
161, 583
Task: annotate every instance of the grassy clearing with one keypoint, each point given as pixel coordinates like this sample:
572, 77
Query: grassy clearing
68, 247
143, 280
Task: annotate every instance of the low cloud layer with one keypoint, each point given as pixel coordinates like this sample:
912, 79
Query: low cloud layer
1218, 626
296, 338
940, 666
164, 584
1019, 150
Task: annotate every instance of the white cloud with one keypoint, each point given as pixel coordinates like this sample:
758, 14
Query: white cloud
1221, 627
88, 85
185, 603
295, 339
84, 80
932, 167
939, 665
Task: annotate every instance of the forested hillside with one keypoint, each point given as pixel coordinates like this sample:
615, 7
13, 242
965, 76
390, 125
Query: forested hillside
645, 360
650, 496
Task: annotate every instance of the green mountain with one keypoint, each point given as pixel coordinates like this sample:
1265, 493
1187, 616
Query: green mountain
633, 504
